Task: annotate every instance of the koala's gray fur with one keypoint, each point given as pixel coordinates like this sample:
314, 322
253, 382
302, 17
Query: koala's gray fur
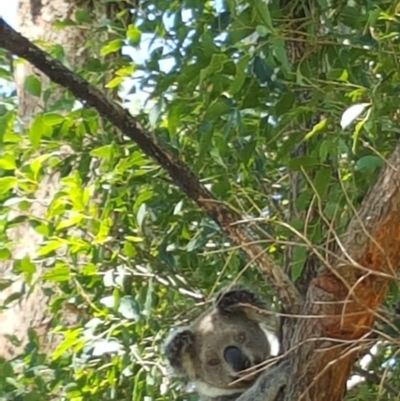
222, 342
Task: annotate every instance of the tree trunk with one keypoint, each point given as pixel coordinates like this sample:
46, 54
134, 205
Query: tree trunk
36, 19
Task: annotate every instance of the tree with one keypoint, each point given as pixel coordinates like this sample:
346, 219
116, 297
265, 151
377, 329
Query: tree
278, 176
39, 22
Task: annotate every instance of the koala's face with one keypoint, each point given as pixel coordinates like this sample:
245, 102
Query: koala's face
222, 342
225, 345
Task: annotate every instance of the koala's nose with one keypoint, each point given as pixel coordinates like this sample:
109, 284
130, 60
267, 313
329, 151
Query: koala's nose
236, 358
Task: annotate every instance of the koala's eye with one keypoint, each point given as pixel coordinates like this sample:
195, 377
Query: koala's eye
213, 362
241, 337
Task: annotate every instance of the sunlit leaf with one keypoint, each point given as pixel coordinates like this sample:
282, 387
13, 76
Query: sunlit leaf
38, 129
112, 47
51, 246
128, 309
7, 183
71, 221
7, 162
133, 34
352, 113
57, 274
52, 119
104, 151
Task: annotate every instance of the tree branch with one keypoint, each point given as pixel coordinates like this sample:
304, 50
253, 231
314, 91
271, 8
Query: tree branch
181, 175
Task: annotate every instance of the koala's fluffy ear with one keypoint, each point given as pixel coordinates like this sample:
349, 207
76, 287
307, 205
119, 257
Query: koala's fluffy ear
178, 348
228, 299
232, 300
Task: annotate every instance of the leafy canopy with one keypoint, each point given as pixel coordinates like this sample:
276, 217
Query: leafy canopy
219, 82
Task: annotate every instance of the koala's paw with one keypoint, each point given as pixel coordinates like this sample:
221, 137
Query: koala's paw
269, 384
176, 345
225, 300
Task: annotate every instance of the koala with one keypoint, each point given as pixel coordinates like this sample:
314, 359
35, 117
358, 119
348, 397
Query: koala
225, 340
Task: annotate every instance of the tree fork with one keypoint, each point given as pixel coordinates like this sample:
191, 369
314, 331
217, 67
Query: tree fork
180, 173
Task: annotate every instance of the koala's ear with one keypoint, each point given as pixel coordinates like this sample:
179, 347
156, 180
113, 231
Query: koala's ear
178, 347
228, 300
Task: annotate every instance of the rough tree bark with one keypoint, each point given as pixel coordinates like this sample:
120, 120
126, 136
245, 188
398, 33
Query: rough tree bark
346, 294
343, 292
341, 300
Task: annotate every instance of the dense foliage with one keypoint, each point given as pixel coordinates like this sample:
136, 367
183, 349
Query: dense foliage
218, 82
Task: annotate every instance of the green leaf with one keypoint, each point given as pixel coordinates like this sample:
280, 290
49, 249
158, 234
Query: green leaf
5, 74
216, 110
322, 181
368, 164
7, 183
262, 30
325, 149
33, 396
65, 347
316, 128
302, 162
356, 135
278, 45
8, 162
134, 239
52, 119
33, 85
116, 81
173, 119
51, 246
240, 76
143, 196
216, 65
6, 368
241, 27
37, 129
248, 152
11, 298
5, 123
129, 250
82, 16
214, 153
117, 297
37, 163
285, 103
3, 285
103, 151
5, 254
263, 10
57, 274
27, 267
134, 35
112, 47
70, 222
299, 258
103, 232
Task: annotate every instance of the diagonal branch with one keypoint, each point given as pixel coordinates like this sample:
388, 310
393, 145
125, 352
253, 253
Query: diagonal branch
180, 173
